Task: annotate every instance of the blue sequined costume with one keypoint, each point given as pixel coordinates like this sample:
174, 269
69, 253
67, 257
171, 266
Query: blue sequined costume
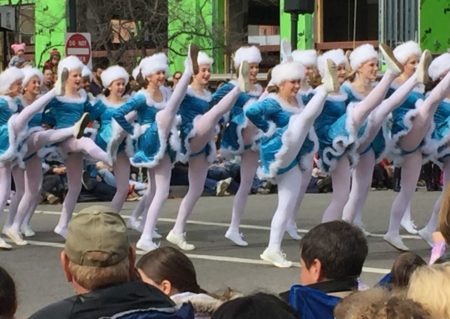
8, 141
151, 145
192, 106
402, 122
437, 146
232, 140
378, 145
102, 112
336, 134
272, 117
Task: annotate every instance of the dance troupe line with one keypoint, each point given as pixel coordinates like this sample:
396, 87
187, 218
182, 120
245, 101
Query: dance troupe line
349, 122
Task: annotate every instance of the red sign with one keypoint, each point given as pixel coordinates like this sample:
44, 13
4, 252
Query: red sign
79, 44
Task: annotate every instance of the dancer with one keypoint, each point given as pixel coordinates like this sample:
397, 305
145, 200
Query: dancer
240, 136
411, 123
13, 127
63, 112
286, 125
197, 130
156, 111
28, 179
436, 144
340, 138
372, 145
308, 58
114, 79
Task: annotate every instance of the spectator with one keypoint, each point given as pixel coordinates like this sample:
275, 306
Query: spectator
175, 78
361, 304
8, 297
399, 308
332, 257
403, 267
96, 86
52, 62
259, 305
174, 274
98, 261
430, 286
48, 83
18, 60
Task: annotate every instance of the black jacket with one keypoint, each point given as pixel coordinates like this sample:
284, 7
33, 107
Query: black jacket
107, 302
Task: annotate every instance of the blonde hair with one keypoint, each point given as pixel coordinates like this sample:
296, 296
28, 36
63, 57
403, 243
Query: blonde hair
430, 286
361, 304
91, 278
444, 215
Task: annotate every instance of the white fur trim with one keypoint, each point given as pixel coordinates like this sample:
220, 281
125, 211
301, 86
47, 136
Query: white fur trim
271, 130
286, 106
362, 54
206, 96
155, 63
287, 71
203, 58
67, 99
113, 73
69, 63
29, 72
8, 77
406, 50
250, 54
337, 56
11, 103
439, 66
107, 103
305, 57
166, 92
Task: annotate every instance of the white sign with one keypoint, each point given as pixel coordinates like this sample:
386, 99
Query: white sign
79, 44
8, 17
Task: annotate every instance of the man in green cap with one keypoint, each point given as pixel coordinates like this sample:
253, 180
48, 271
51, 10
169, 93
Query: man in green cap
98, 261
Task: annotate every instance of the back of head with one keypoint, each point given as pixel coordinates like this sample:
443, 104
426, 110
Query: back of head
403, 267
361, 304
340, 247
97, 248
168, 263
8, 297
259, 305
444, 215
400, 308
430, 286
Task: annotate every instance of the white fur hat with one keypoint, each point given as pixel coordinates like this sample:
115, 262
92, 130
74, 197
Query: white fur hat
8, 77
69, 63
305, 57
113, 73
29, 72
203, 58
86, 72
135, 72
154, 63
362, 54
439, 66
249, 54
337, 56
287, 71
405, 50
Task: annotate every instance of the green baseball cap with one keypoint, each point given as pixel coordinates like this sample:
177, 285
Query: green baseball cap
97, 229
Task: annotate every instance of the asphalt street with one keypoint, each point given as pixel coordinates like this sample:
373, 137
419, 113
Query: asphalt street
219, 264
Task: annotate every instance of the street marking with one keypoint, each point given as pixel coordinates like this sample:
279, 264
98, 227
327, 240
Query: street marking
225, 225
235, 260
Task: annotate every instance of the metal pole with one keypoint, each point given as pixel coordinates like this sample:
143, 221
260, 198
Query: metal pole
72, 16
294, 23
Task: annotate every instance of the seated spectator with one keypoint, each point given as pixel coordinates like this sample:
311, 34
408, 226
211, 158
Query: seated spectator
430, 286
259, 305
400, 308
173, 273
403, 267
8, 297
332, 257
98, 261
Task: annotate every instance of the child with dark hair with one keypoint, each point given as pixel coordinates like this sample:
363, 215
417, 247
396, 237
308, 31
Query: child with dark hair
8, 297
173, 273
259, 305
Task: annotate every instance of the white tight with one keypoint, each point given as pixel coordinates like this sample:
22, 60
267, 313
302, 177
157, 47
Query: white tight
121, 169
